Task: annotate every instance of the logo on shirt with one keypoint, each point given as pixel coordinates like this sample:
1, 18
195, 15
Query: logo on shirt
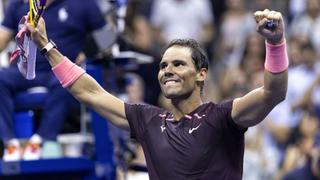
162, 127
63, 14
193, 129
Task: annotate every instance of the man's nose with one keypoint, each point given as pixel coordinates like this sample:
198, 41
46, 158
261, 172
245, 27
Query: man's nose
168, 71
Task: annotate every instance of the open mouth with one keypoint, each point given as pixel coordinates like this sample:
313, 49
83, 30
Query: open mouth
170, 81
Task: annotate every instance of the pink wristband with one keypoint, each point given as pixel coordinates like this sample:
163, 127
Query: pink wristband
67, 72
276, 57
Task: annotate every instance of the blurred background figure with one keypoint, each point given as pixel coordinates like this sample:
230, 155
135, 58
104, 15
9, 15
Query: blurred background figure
130, 156
236, 26
306, 25
173, 19
234, 81
302, 76
301, 160
311, 169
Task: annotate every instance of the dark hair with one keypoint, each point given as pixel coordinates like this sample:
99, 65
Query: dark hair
198, 55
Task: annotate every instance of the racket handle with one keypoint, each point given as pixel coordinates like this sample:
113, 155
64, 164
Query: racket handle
31, 15
271, 24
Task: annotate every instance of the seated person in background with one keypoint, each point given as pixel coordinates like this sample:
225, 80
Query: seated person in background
134, 163
301, 144
310, 169
68, 22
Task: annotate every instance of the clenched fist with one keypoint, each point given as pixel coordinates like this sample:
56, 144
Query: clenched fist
264, 19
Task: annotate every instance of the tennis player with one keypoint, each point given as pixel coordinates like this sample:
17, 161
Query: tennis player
194, 140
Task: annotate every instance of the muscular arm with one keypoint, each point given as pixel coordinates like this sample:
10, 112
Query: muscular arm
88, 91
85, 88
252, 108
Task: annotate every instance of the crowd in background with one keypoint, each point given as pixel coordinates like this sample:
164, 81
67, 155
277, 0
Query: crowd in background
289, 138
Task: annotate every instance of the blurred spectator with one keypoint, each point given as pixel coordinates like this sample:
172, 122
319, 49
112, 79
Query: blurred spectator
307, 26
310, 171
182, 19
138, 31
234, 80
136, 37
296, 8
259, 159
237, 25
68, 22
294, 51
139, 35
302, 143
302, 76
310, 99
133, 166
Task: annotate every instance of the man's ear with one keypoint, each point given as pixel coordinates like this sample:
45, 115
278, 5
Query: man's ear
202, 74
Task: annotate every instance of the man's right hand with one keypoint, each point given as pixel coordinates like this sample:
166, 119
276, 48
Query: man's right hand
38, 33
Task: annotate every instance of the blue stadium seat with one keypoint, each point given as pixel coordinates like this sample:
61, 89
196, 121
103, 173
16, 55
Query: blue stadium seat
33, 98
25, 103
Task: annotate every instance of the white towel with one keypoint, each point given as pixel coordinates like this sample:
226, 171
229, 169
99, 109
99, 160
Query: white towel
26, 52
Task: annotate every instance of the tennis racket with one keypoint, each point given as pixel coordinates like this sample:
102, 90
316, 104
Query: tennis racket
36, 9
26, 51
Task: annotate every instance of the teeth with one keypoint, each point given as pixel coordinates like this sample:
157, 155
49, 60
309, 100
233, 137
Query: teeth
170, 82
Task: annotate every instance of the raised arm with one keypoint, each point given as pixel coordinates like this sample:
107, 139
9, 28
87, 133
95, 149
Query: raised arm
252, 108
81, 85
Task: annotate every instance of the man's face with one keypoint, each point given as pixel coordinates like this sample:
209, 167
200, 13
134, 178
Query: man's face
177, 74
